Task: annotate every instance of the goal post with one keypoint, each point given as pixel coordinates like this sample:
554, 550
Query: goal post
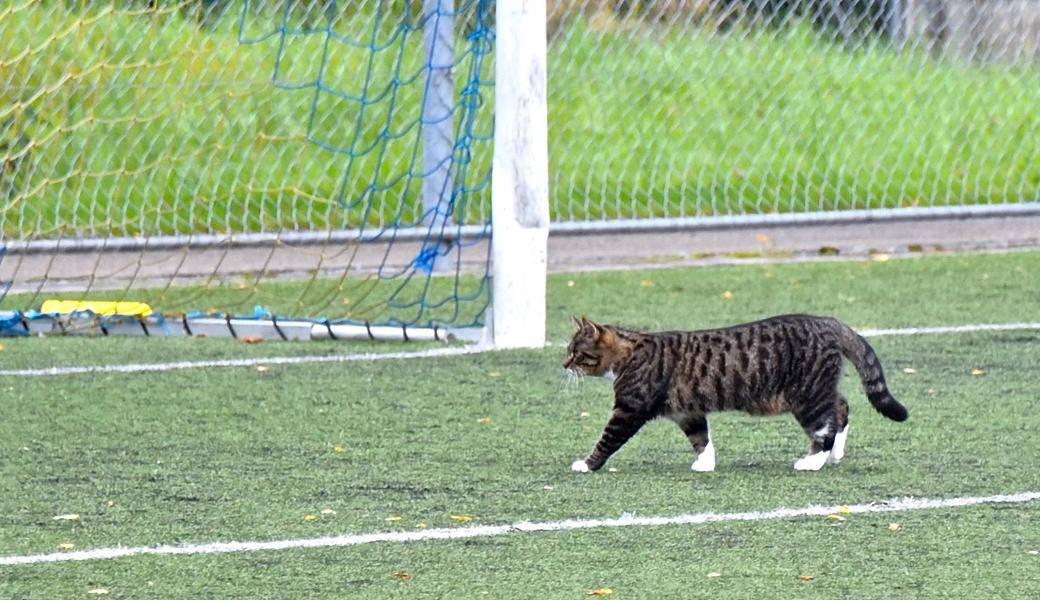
520, 179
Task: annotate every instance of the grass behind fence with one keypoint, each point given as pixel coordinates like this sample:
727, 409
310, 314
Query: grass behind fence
116, 122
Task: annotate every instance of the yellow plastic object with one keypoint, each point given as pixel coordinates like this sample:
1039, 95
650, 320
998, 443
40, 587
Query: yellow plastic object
100, 307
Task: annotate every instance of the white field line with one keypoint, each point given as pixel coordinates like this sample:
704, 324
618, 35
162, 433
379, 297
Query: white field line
241, 362
437, 352
895, 505
951, 329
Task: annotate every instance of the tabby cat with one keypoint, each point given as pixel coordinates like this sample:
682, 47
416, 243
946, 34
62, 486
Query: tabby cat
790, 363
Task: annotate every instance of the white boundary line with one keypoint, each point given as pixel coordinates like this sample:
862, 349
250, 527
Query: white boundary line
895, 505
951, 329
242, 362
437, 352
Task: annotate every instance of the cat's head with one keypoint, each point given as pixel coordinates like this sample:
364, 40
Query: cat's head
594, 349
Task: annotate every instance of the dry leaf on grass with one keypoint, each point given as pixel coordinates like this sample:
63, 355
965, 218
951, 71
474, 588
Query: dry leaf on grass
909, 371
714, 574
70, 517
393, 518
262, 368
977, 372
727, 295
806, 577
402, 575
66, 546
250, 339
646, 283
338, 449
310, 518
98, 591
328, 512
833, 517
484, 420
894, 527
599, 592
843, 510
461, 518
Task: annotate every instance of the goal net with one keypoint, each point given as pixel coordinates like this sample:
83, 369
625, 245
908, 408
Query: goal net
196, 166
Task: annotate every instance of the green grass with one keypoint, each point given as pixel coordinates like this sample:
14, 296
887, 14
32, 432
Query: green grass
236, 454
126, 123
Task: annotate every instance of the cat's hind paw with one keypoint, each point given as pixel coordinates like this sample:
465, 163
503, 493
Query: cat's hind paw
813, 462
705, 462
579, 466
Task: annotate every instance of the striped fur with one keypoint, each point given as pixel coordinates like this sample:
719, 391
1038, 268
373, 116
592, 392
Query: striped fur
790, 363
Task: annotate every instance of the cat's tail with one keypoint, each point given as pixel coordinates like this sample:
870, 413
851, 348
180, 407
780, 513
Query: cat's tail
857, 350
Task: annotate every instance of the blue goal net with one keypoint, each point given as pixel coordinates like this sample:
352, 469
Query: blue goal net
310, 159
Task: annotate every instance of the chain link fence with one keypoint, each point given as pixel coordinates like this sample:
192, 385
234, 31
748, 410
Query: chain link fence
690, 111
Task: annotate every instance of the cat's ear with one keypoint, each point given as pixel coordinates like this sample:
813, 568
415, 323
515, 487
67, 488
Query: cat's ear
579, 323
605, 337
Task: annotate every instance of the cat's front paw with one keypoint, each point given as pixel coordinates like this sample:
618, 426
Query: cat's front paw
579, 466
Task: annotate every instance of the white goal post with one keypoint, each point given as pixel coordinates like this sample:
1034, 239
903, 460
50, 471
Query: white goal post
520, 176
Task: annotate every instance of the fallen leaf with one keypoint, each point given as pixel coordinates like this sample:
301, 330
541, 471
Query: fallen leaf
547, 488
599, 592
727, 295
838, 518
909, 371
494, 374
714, 574
843, 510
484, 420
806, 577
328, 511
310, 518
393, 518
250, 339
262, 368
894, 527
611, 470
71, 517
646, 283
461, 518
570, 283
402, 575
880, 257
110, 503
420, 525
915, 247
762, 237
583, 415
98, 591
977, 372
339, 449
829, 250
66, 546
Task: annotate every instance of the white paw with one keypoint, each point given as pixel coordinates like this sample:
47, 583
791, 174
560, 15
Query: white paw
813, 462
579, 466
838, 451
705, 462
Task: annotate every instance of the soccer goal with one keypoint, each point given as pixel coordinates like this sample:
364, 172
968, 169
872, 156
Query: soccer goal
292, 169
